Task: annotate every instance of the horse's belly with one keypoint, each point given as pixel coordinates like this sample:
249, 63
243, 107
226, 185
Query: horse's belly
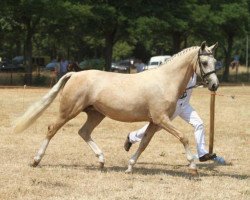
124, 114
129, 118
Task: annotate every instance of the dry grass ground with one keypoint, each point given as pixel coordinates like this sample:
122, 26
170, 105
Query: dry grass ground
69, 169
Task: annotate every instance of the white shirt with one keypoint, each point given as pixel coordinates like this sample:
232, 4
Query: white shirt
192, 82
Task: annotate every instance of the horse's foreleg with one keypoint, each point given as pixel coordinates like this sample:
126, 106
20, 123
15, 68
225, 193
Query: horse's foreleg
93, 120
52, 130
151, 129
168, 126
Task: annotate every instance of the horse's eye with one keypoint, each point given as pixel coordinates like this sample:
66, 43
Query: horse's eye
204, 63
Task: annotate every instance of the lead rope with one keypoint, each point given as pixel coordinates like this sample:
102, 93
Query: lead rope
195, 86
184, 94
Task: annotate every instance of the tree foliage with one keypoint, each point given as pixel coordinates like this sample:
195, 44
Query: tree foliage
114, 30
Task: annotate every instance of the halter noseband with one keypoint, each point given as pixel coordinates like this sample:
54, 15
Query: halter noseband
203, 74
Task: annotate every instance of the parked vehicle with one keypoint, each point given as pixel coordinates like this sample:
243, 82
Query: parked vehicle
156, 61
36, 60
7, 65
122, 66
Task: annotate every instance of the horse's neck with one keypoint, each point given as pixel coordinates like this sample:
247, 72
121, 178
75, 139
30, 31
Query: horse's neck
179, 70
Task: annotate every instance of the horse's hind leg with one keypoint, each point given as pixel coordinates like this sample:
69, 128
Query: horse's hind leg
52, 130
93, 120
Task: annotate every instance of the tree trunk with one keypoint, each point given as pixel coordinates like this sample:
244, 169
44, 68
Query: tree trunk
109, 43
68, 53
28, 58
53, 52
176, 42
108, 52
185, 41
18, 48
228, 53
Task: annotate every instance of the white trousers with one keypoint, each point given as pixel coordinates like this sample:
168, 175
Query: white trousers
187, 113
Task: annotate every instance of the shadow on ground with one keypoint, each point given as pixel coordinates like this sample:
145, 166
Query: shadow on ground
144, 168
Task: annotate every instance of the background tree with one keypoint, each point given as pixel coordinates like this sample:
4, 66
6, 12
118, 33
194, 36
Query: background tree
222, 21
25, 16
232, 20
113, 30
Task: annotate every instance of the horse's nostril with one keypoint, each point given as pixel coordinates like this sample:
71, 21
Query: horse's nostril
214, 87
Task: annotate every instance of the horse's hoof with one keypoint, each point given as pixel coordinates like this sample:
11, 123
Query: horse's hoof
128, 171
101, 165
193, 172
34, 164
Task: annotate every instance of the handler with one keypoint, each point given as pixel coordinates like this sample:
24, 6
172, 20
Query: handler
187, 113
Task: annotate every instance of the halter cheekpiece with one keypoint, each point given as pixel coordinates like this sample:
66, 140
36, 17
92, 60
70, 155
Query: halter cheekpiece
203, 74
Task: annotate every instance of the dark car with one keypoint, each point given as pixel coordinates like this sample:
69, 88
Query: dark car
122, 66
7, 65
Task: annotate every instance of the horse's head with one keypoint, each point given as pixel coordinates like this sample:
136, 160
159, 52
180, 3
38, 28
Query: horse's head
206, 66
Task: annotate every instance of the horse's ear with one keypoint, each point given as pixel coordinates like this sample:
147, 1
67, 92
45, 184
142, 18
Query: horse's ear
213, 47
203, 45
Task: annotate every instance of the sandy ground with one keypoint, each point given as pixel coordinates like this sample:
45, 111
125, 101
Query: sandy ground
69, 170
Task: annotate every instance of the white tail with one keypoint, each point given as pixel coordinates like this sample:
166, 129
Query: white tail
36, 110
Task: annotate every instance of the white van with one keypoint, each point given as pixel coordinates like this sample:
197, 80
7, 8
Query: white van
156, 61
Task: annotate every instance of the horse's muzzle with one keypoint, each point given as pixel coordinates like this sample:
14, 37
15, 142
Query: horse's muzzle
214, 87
213, 82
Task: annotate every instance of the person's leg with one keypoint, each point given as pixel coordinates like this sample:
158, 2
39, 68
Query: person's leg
136, 136
191, 116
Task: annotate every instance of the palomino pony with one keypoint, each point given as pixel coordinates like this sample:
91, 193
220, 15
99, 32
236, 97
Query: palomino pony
148, 96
